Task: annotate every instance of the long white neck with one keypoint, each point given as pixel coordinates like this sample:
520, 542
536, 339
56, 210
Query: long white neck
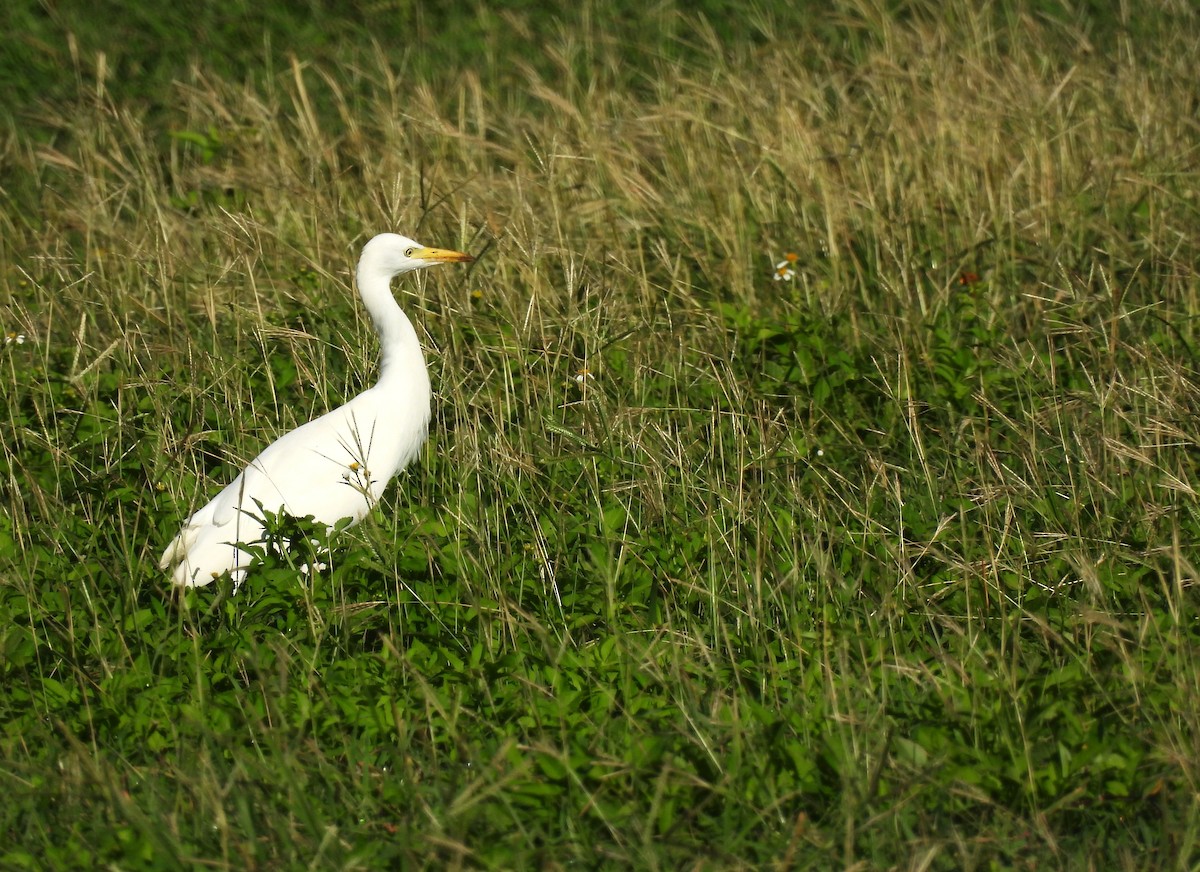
401, 361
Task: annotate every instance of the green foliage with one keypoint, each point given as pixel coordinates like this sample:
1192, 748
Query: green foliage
890, 564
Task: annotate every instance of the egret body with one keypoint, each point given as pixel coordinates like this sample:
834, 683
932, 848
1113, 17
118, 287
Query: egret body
336, 466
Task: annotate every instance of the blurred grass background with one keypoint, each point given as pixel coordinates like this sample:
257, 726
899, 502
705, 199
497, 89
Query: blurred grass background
887, 565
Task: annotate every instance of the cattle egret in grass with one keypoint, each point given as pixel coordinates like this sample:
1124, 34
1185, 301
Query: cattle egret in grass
335, 467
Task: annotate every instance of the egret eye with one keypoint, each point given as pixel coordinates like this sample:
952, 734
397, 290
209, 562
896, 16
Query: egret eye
409, 252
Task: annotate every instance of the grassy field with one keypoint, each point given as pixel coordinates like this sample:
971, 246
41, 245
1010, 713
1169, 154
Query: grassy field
884, 557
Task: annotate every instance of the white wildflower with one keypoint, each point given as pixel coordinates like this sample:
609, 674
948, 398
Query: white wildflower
786, 268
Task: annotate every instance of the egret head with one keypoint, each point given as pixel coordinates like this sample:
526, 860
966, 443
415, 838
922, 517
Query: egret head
392, 254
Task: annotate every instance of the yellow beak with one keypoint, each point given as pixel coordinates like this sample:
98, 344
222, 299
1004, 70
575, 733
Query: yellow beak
441, 255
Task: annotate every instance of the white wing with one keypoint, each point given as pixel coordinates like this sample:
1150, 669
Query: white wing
332, 468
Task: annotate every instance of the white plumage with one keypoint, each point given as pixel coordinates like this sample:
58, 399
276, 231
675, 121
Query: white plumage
336, 466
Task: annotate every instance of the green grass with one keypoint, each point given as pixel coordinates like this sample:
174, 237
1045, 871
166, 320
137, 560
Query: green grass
892, 565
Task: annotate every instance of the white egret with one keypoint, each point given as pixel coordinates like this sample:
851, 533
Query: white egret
336, 466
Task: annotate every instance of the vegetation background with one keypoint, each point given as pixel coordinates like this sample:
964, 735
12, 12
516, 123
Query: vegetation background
881, 558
